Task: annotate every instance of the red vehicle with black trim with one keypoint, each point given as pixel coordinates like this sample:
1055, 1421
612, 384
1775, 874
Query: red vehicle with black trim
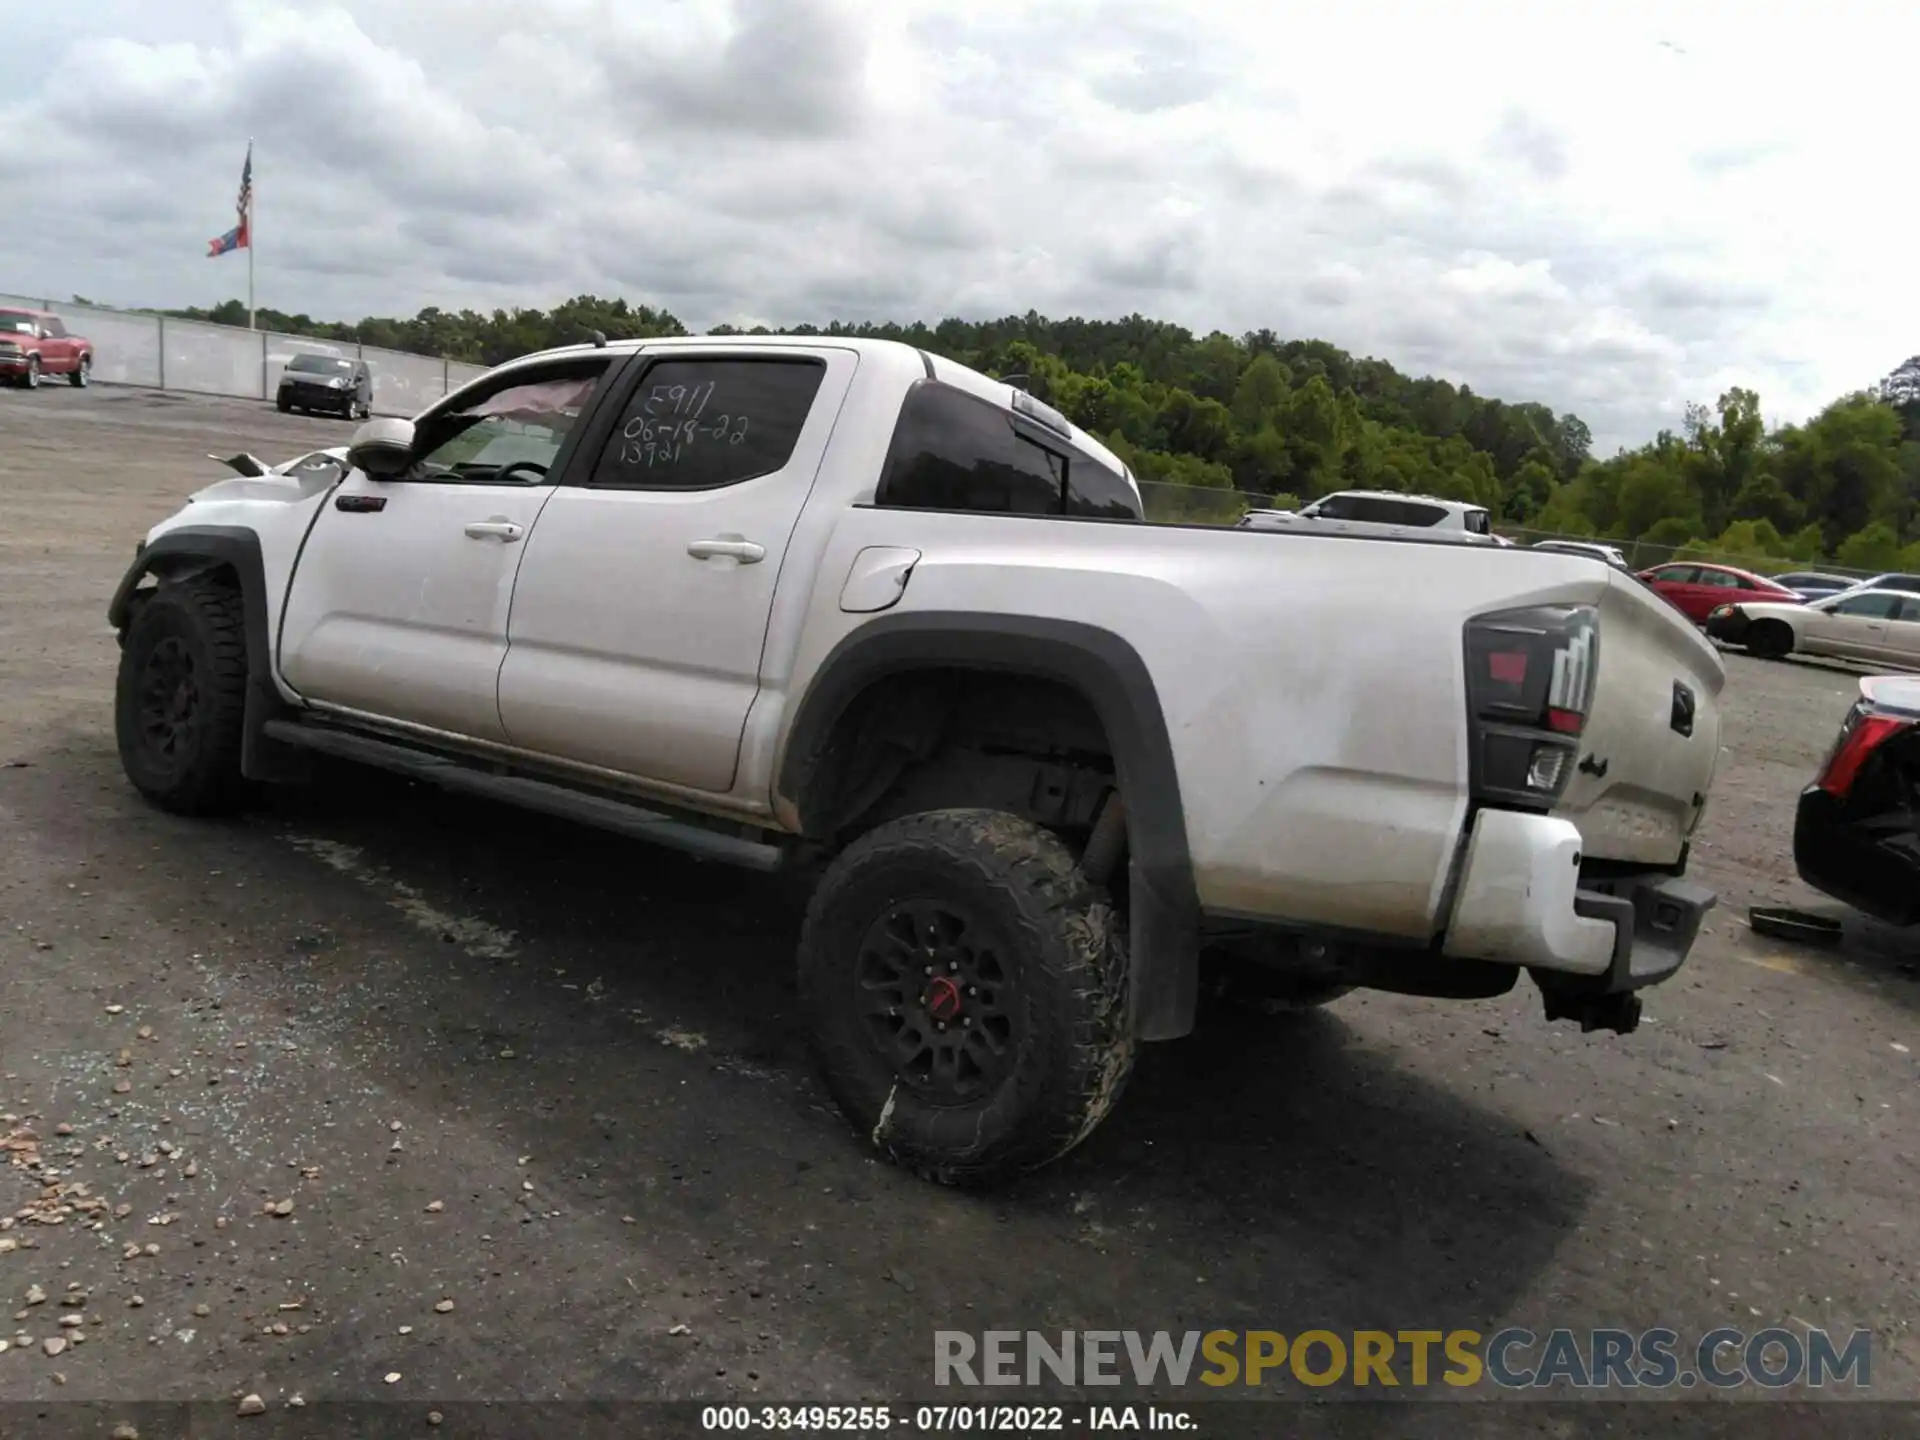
1856, 833
1698, 590
34, 344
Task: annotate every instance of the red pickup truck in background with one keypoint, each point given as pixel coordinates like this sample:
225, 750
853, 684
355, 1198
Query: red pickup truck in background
35, 344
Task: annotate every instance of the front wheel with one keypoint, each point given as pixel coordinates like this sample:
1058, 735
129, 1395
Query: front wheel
82, 375
31, 380
966, 986
180, 697
1770, 640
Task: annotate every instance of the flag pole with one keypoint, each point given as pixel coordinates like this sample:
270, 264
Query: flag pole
250, 241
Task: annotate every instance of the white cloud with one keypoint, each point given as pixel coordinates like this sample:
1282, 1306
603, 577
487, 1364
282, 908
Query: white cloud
1548, 203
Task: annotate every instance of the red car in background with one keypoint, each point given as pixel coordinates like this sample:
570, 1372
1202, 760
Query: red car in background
35, 345
1698, 590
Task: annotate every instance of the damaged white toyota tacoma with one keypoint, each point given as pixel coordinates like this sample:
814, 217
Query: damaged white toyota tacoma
844, 605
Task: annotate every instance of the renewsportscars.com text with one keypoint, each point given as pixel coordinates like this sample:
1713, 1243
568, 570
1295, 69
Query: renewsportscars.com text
1513, 1358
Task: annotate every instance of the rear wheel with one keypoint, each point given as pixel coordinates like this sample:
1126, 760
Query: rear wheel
965, 987
1770, 640
180, 697
82, 375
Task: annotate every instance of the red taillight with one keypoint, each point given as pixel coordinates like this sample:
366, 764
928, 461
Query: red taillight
1530, 686
1507, 667
1863, 734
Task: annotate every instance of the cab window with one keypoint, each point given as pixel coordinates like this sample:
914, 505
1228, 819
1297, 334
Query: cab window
955, 451
510, 432
1874, 606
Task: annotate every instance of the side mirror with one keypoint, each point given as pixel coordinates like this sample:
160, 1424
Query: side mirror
382, 449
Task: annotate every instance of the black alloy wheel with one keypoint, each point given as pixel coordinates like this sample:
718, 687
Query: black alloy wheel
935, 994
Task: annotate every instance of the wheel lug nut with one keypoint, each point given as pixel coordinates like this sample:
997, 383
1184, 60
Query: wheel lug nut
966, 1019
941, 1026
953, 965
927, 971
973, 989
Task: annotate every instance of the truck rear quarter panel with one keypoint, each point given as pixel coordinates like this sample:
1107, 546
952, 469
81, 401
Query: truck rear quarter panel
1317, 724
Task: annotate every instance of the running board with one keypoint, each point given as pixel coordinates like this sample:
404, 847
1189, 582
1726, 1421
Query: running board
528, 794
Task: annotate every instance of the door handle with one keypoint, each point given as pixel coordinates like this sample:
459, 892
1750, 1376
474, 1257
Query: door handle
505, 531
728, 547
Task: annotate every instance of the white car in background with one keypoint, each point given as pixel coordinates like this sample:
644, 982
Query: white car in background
1878, 626
1385, 512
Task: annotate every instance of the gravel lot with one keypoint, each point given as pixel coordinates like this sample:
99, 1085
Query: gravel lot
533, 1116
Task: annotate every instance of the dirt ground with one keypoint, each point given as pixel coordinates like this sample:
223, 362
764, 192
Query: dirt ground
532, 1113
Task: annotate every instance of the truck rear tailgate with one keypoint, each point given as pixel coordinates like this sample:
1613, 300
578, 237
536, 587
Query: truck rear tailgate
1652, 741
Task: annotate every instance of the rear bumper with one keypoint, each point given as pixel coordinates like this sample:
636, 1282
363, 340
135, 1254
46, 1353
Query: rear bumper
1522, 901
1876, 873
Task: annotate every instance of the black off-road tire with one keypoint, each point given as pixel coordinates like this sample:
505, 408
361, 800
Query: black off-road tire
181, 695
1230, 980
82, 375
1032, 918
1770, 640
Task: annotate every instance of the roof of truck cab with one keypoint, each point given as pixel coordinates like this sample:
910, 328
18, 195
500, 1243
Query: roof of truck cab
935, 367
860, 343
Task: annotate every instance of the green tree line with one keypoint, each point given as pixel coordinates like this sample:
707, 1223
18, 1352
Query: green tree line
1289, 420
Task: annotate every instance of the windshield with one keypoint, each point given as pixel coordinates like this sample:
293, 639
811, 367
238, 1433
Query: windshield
13, 322
320, 364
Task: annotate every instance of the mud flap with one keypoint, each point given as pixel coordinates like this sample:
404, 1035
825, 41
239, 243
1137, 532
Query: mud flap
1163, 945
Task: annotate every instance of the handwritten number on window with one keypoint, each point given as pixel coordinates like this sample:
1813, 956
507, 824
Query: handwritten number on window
672, 422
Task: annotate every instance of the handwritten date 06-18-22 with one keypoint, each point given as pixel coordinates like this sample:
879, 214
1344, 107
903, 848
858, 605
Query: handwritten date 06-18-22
673, 419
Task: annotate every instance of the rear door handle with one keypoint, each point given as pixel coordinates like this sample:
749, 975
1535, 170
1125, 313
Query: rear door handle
504, 531
730, 547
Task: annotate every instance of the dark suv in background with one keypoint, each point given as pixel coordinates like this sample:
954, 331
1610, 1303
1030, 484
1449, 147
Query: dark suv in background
337, 384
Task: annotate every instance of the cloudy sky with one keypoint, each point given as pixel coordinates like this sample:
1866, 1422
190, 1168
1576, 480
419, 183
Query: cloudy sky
1609, 207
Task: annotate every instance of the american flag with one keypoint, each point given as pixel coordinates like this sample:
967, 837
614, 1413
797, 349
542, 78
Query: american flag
238, 238
245, 203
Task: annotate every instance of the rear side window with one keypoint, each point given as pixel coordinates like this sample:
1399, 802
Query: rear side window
702, 424
1877, 606
1380, 511
1910, 583
1676, 574
955, 451
1099, 492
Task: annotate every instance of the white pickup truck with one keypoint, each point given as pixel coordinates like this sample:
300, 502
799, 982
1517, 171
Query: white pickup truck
845, 605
